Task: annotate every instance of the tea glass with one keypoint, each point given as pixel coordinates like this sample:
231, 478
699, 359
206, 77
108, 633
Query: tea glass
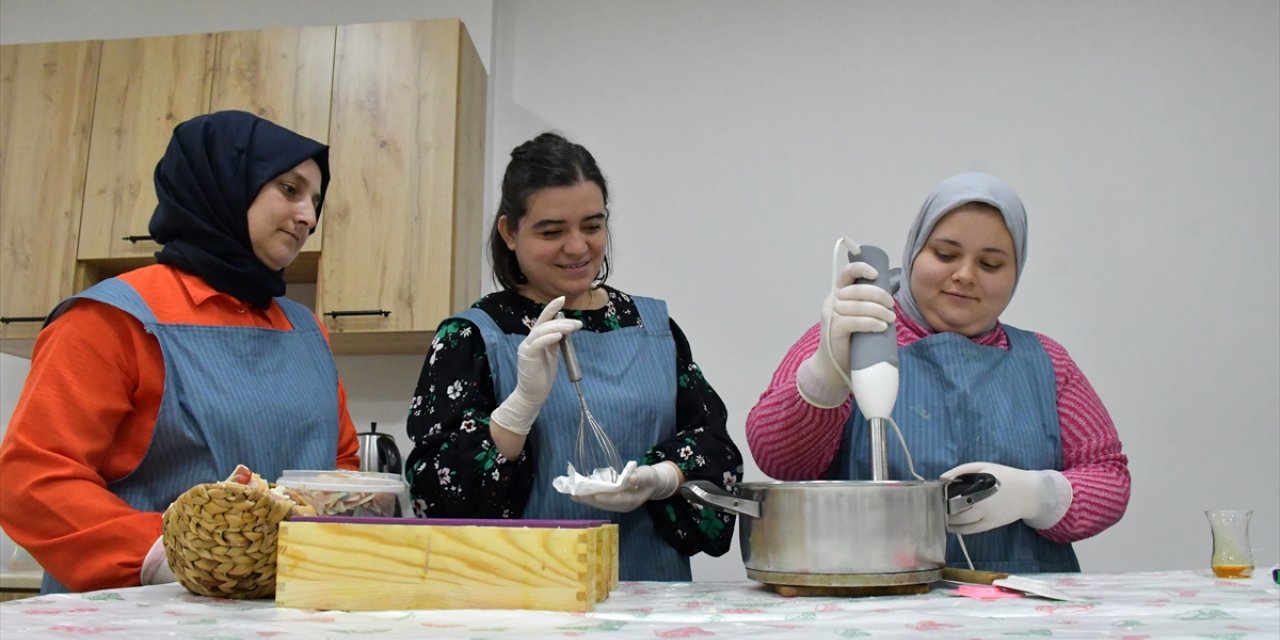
1232, 556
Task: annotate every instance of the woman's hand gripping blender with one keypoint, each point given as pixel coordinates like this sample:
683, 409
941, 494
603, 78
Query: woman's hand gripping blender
538, 358
856, 305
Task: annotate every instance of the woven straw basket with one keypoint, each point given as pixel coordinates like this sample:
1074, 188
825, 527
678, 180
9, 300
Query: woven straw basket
220, 539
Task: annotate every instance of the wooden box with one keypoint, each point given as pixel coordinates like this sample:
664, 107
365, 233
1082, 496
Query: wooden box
373, 564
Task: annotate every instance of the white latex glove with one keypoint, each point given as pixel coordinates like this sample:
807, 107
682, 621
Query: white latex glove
537, 358
155, 567
646, 483
1039, 498
575, 484
849, 308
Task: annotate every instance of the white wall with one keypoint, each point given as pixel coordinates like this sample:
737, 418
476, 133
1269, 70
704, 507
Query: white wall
742, 137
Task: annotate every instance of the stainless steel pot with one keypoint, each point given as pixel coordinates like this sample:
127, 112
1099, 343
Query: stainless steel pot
843, 532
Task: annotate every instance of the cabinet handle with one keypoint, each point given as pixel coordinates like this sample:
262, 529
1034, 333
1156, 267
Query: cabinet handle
8, 319
137, 239
362, 312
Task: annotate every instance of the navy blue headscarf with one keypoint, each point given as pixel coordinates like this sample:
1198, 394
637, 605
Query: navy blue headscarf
212, 171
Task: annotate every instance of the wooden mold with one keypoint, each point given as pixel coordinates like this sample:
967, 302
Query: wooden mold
375, 564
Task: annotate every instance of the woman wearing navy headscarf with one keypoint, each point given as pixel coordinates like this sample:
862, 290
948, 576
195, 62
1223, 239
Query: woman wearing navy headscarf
975, 395
171, 375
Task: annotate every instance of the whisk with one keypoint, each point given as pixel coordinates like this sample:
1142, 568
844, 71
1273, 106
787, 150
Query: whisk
595, 454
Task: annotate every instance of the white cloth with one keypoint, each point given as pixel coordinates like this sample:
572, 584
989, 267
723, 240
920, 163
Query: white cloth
1165, 604
647, 482
574, 483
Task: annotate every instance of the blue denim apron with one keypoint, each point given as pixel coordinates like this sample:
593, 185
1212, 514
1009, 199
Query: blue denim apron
629, 380
264, 398
960, 402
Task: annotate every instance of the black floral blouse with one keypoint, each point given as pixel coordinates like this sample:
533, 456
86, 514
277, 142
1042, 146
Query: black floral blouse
456, 471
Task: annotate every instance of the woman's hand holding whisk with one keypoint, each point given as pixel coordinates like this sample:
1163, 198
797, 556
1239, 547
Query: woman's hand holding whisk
537, 360
646, 483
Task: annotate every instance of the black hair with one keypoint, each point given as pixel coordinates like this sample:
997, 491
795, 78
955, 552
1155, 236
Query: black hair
548, 160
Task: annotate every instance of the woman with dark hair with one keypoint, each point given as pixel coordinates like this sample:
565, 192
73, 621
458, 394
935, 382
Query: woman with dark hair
491, 425
171, 375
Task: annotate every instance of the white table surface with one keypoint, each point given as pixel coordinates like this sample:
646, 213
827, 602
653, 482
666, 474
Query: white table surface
1131, 606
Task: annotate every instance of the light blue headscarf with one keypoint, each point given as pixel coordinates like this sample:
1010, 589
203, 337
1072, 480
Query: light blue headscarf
947, 196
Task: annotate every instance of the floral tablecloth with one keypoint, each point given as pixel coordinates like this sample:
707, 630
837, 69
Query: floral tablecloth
1133, 606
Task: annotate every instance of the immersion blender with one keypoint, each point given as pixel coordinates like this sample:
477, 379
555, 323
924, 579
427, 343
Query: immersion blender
873, 366
873, 378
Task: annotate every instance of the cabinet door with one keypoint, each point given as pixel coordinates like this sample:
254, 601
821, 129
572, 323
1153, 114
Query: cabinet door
46, 106
396, 232
285, 76
146, 86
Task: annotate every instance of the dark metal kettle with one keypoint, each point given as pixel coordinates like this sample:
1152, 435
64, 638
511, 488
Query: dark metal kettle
378, 451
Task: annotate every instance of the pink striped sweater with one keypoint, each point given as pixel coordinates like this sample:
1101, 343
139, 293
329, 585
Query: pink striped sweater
1091, 453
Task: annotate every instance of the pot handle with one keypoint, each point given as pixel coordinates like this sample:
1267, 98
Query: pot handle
968, 489
706, 493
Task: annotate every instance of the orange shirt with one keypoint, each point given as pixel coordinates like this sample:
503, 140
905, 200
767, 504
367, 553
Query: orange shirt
85, 418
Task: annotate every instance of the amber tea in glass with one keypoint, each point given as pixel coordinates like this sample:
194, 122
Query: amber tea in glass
1232, 557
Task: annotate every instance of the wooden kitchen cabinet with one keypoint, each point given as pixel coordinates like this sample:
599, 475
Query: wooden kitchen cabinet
401, 104
403, 231
146, 86
149, 85
285, 76
46, 108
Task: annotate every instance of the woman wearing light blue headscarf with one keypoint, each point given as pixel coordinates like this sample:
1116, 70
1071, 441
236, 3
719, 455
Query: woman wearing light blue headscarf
975, 395
952, 193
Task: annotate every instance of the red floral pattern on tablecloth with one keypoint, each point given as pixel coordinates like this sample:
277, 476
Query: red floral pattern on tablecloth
1139, 606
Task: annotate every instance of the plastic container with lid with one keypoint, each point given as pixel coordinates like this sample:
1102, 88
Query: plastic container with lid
348, 493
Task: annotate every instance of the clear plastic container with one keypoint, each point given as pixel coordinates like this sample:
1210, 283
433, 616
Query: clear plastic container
358, 494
